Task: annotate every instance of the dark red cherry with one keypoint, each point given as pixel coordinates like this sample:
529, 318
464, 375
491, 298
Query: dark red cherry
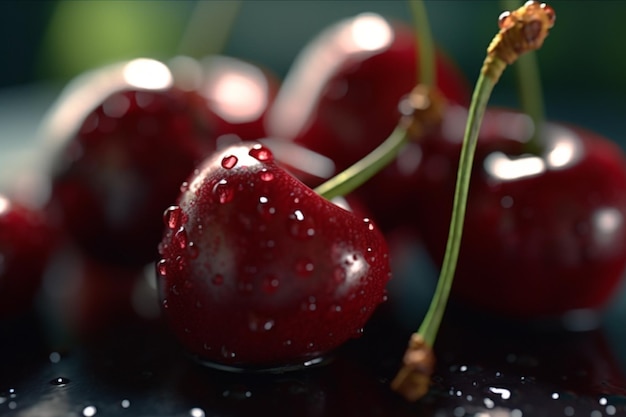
126, 139
544, 234
27, 240
259, 271
341, 96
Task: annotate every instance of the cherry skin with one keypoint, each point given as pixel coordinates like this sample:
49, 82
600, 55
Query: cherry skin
258, 271
125, 139
340, 98
27, 240
543, 234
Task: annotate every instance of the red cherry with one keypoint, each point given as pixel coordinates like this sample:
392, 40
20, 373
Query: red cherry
341, 96
127, 139
26, 241
543, 234
259, 271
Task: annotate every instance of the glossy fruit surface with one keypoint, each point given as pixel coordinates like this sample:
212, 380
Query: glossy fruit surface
544, 234
259, 271
341, 96
127, 138
26, 242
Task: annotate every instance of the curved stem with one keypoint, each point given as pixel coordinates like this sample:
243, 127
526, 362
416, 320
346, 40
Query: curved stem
364, 169
425, 55
434, 315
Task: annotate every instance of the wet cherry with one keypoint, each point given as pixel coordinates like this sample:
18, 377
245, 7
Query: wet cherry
259, 271
544, 234
27, 240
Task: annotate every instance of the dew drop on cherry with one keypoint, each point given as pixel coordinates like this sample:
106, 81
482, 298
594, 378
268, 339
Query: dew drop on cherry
301, 226
266, 175
173, 217
193, 250
184, 187
181, 238
162, 268
224, 191
261, 153
229, 162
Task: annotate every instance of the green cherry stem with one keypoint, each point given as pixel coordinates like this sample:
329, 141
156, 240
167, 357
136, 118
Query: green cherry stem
425, 44
521, 31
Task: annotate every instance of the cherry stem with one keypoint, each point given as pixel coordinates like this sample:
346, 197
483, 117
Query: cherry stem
434, 315
425, 45
357, 174
529, 89
521, 31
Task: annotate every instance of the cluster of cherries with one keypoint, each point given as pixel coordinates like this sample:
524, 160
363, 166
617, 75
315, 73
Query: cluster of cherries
204, 170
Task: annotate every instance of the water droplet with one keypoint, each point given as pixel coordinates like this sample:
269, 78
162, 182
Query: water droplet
224, 191
266, 175
260, 324
502, 392
173, 217
368, 222
89, 411
227, 353
310, 304
55, 357
181, 237
555, 395
287, 342
358, 332
60, 381
336, 308
162, 268
301, 226
197, 412
261, 153
502, 19
228, 162
265, 208
181, 263
237, 393
193, 250
218, 279
304, 267
184, 187
270, 284
125, 403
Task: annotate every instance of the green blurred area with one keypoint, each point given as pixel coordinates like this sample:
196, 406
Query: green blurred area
583, 58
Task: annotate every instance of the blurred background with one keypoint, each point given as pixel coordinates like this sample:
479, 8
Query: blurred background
583, 63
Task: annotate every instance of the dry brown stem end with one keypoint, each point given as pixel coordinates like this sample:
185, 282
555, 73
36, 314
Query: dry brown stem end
418, 365
423, 110
521, 31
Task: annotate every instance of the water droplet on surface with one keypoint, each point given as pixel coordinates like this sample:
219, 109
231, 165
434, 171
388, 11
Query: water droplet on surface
261, 153
502, 392
229, 162
301, 226
173, 217
197, 412
266, 175
260, 324
224, 192
227, 353
125, 403
181, 237
193, 250
162, 268
184, 187
89, 411
368, 222
60, 381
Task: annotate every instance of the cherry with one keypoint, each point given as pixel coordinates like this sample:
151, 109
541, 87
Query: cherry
126, 138
340, 98
257, 270
544, 234
27, 240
